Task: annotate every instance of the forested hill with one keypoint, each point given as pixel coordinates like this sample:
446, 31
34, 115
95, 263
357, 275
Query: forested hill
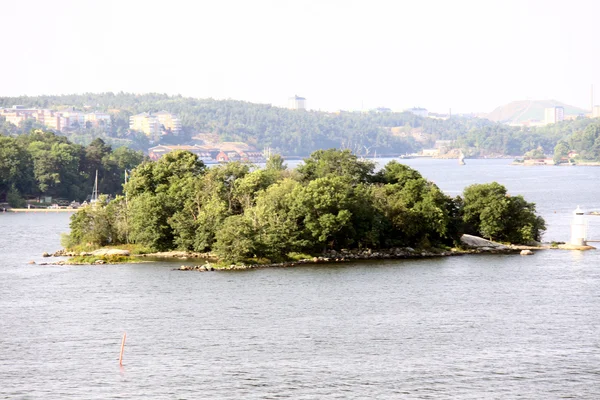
287, 131
292, 132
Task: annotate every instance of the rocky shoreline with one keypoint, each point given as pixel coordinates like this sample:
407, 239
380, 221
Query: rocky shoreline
328, 257
345, 256
470, 245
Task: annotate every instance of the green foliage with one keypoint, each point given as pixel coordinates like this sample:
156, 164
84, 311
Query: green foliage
234, 239
323, 163
275, 163
490, 212
106, 259
158, 190
293, 256
16, 166
98, 224
334, 202
535, 154
586, 143
71, 242
14, 198
323, 210
397, 174
42, 163
561, 151
275, 225
415, 212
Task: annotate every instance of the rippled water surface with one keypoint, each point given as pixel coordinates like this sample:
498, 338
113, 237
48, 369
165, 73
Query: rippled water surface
468, 327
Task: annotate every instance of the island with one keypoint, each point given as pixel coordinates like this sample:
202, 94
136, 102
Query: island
333, 203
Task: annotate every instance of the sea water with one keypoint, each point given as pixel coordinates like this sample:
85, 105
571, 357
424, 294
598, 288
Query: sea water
469, 327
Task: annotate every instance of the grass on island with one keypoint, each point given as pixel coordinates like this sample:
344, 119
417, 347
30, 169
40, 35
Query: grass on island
107, 259
89, 247
293, 256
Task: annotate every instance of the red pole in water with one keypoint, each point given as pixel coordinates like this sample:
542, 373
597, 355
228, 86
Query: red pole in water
122, 348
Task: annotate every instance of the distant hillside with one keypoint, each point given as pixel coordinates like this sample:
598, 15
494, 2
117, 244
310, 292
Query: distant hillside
525, 110
298, 133
285, 131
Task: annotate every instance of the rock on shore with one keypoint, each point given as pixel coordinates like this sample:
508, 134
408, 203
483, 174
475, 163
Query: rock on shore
476, 242
110, 252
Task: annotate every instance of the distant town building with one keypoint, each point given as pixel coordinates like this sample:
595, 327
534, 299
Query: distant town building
153, 125
145, 123
96, 119
252, 156
225, 152
169, 122
227, 156
381, 110
439, 116
14, 118
203, 153
77, 119
57, 120
441, 144
596, 112
297, 103
17, 114
430, 152
529, 123
421, 112
553, 115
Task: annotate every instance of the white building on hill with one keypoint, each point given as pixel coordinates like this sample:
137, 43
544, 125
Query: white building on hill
553, 115
297, 103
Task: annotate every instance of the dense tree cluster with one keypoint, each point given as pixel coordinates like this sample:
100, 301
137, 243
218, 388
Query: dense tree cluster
585, 144
42, 163
334, 200
490, 212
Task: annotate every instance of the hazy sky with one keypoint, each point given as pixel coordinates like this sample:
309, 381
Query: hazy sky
464, 55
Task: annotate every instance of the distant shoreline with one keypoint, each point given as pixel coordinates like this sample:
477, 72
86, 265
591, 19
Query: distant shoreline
551, 164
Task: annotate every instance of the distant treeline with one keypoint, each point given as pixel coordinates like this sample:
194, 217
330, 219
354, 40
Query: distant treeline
334, 200
300, 132
42, 163
583, 145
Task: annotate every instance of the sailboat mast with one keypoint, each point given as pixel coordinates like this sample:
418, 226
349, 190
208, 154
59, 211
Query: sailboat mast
95, 191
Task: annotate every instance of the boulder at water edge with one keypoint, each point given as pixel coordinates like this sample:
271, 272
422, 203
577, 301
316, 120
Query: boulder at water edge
481, 243
110, 252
